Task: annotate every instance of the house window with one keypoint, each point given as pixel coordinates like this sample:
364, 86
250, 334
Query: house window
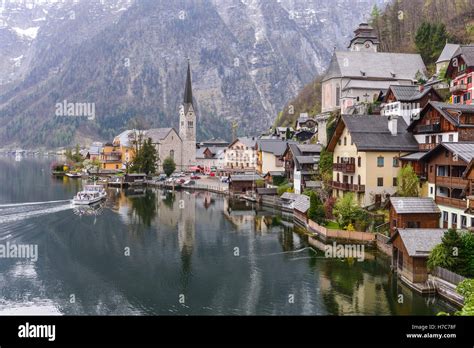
379, 182
395, 162
358, 180
337, 177
463, 221
445, 216
339, 141
440, 139
338, 95
394, 182
190, 124
451, 138
454, 218
345, 141
380, 161
427, 139
359, 161
431, 190
172, 154
472, 222
394, 222
469, 79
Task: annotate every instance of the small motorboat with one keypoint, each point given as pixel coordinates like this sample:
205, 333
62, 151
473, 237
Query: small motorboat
86, 198
90, 195
74, 174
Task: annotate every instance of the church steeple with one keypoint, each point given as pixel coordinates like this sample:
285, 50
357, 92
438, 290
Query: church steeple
188, 90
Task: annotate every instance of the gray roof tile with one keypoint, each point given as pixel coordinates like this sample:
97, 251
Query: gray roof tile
420, 241
371, 133
414, 205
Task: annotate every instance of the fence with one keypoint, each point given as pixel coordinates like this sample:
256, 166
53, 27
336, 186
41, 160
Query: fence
447, 275
341, 234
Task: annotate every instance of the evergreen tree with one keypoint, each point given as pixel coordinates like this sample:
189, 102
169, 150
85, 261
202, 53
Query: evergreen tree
316, 209
169, 166
145, 158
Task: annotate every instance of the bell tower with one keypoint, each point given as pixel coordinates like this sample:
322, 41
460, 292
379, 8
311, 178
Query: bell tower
187, 124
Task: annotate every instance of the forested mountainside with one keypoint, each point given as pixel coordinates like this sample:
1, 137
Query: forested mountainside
407, 26
128, 59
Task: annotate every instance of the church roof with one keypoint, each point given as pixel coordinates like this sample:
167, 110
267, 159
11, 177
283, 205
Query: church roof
375, 65
188, 90
158, 134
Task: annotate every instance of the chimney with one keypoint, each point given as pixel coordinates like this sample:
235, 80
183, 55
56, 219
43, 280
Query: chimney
393, 124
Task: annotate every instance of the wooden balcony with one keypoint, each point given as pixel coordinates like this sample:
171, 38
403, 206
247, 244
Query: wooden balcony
344, 167
451, 202
450, 181
460, 88
428, 128
426, 147
347, 187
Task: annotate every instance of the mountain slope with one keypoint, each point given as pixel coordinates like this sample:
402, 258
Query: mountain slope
247, 57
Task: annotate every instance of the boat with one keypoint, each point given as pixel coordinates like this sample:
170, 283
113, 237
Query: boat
90, 195
74, 175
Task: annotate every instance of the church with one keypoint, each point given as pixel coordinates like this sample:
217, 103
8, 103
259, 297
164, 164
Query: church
181, 145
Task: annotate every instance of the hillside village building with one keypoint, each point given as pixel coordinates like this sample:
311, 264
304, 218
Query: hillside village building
366, 151
461, 71
357, 76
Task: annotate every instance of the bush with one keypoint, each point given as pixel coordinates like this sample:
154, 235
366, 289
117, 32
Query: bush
284, 188
347, 211
260, 183
316, 209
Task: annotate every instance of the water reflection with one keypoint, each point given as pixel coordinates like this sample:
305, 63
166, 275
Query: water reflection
142, 249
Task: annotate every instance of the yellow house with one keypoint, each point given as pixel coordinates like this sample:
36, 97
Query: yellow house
270, 155
366, 151
111, 157
125, 142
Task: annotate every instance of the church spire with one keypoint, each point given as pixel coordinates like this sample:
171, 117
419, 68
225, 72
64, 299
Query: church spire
188, 92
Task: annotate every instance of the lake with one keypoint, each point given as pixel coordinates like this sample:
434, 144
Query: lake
181, 253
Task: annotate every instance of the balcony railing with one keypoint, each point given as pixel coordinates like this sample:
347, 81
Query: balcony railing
347, 187
427, 147
428, 128
451, 202
344, 167
450, 181
458, 88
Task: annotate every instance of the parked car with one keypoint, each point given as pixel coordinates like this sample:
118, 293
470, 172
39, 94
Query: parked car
195, 177
225, 179
212, 174
189, 182
180, 181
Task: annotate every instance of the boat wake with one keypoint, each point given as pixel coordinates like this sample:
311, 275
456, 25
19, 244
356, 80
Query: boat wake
21, 211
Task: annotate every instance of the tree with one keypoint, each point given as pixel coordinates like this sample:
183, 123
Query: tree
316, 209
346, 210
169, 166
145, 158
430, 39
450, 254
288, 133
407, 182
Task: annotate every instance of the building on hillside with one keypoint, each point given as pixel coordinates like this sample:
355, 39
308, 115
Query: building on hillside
445, 57
446, 165
407, 101
357, 76
304, 136
304, 122
241, 156
274, 178
411, 248
366, 151
413, 212
438, 79
270, 155
301, 164
442, 122
461, 72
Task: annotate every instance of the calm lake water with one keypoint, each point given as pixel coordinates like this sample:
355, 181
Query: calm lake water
189, 254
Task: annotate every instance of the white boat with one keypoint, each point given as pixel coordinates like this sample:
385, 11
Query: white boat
90, 195
74, 175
